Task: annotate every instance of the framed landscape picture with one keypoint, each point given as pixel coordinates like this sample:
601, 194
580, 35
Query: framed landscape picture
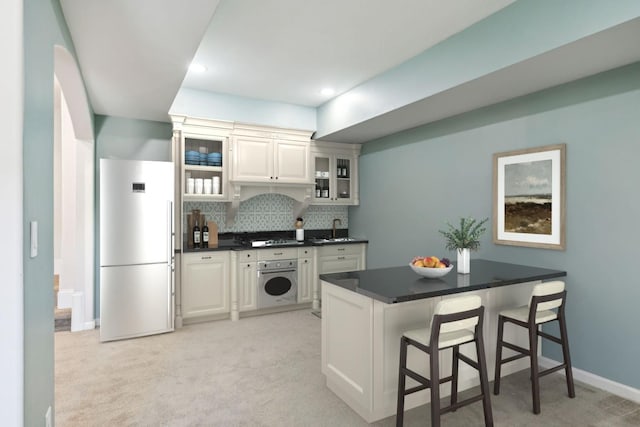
529, 197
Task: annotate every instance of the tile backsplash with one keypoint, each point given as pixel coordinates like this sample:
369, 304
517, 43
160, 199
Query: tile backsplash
269, 212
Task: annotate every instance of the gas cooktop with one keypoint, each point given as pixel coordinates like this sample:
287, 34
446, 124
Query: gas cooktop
258, 243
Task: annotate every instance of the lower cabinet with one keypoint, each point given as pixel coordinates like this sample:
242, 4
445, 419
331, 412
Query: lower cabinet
246, 280
305, 279
205, 287
337, 259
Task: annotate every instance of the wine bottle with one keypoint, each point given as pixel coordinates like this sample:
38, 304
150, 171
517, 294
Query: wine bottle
196, 235
205, 235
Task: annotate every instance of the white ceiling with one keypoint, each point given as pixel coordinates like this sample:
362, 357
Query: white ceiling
288, 50
134, 55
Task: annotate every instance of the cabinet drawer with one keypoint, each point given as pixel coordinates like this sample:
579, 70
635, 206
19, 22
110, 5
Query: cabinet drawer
205, 257
305, 252
329, 250
246, 256
338, 264
277, 253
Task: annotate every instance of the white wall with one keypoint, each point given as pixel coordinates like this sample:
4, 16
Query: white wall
74, 218
57, 176
68, 230
11, 303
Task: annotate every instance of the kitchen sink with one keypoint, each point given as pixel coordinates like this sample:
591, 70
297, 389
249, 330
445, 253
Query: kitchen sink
334, 240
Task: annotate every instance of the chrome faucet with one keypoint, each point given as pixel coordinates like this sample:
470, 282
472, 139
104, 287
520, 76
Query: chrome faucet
333, 233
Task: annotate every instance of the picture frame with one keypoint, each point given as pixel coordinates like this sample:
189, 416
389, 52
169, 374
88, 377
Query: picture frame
529, 197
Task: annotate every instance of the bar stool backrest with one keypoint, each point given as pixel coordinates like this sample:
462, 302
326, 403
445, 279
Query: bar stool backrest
458, 305
548, 288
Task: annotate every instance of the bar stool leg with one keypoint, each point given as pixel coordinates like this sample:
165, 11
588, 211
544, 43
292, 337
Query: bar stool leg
535, 378
567, 358
401, 382
454, 375
484, 380
435, 386
496, 383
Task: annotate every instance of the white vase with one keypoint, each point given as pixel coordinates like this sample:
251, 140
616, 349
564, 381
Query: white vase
464, 259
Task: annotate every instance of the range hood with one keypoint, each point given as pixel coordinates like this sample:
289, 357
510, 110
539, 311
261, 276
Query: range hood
240, 191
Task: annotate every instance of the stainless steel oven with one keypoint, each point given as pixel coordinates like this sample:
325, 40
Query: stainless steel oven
277, 283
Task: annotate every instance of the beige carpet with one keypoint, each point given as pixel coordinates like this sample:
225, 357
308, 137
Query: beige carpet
264, 371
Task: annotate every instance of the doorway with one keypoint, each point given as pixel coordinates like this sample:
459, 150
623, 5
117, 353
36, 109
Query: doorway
74, 197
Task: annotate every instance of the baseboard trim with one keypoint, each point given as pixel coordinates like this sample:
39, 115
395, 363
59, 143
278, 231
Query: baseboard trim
613, 387
65, 298
89, 325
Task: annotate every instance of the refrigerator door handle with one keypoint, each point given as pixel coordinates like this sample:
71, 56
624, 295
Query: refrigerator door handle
170, 232
171, 265
171, 303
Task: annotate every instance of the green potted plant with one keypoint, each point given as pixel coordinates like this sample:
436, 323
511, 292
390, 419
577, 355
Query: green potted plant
463, 239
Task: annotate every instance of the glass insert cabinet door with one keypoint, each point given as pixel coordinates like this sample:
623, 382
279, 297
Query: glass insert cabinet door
332, 176
343, 178
323, 173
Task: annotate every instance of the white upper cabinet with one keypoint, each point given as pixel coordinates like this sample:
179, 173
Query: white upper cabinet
252, 159
202, 155
291, 161
264, 155
334, 168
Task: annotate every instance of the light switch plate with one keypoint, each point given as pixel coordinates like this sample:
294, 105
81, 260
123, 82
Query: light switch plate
47, 418
34, 239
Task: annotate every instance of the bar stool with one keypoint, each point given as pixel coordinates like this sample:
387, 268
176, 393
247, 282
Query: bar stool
456, 321
545, 298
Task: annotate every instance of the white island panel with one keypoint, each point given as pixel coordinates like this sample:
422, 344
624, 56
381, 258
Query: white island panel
361, 346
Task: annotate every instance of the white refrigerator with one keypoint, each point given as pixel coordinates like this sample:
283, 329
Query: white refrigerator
136, 248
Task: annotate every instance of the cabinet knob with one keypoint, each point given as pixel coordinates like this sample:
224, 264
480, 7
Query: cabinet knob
305, 261
276, 177
248, 265
340, 257
341, 249
206, 257
248, 255
271, 177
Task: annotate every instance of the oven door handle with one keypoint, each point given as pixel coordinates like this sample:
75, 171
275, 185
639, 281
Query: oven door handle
276, 271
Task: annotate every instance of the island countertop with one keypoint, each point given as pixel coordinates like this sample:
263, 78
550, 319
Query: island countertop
400, 284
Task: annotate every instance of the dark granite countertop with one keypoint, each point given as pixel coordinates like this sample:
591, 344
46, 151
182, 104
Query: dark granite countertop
232, 245
400, 284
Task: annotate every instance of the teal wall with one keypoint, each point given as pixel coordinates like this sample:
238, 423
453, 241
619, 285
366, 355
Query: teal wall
414, 181
44, 26
132, 139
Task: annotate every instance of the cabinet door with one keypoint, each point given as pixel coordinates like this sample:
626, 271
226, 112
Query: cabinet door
291, 161
322, 167
253, 159
335, 175
305, 279
344, 169
247, 286
205, 288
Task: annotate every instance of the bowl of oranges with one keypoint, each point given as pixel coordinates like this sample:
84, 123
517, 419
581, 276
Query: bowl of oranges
431, 267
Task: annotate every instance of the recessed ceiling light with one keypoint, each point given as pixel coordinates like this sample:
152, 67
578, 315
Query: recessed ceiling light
197, 68
327, 91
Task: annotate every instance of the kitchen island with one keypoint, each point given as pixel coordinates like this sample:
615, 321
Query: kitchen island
364, 314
